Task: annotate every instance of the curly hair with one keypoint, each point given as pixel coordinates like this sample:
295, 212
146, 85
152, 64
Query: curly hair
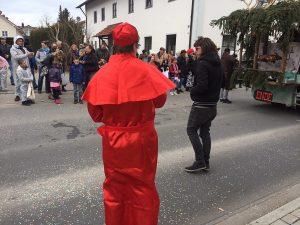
206, 44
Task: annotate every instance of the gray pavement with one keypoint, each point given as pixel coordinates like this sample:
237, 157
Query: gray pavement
51, 168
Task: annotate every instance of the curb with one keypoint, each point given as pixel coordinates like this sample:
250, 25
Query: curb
278, 213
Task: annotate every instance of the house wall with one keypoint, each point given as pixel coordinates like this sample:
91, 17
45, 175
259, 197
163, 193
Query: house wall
7, 26
162, 19
155, 22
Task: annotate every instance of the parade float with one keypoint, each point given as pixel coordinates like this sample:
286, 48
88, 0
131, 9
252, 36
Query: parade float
268, 34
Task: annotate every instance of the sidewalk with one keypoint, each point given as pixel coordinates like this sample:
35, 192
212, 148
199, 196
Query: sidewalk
287, 214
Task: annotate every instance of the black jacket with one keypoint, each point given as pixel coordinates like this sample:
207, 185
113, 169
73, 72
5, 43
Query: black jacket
91, 63
5, 50
208, 80
183, 66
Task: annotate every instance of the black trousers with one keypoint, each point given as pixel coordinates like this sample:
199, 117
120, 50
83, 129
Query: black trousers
198, 130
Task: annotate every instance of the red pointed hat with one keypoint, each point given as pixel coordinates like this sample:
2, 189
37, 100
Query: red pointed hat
125, 34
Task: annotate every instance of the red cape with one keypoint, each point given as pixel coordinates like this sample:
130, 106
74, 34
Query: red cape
126, 79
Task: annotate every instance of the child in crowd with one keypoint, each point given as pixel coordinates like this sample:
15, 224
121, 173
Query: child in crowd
174, 75
55, 80
25, 77
77, 78
3, 74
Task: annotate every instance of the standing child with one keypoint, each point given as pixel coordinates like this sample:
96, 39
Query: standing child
55, 80
77, 79
25, 77
3, 74
174, 76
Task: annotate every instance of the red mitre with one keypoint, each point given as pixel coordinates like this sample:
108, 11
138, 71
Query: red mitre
125, 34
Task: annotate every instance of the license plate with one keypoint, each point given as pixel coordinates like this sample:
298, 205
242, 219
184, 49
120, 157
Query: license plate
264, 96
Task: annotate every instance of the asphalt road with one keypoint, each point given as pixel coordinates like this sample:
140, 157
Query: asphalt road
51, 168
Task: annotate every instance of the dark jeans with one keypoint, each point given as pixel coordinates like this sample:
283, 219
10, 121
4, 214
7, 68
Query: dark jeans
183, 81
77, 92
40, 82
199, 128
55, 93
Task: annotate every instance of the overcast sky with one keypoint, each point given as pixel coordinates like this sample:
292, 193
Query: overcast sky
31, 12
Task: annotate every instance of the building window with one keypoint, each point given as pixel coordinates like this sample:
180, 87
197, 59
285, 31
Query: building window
4, 34
103, 14
95, 17
149, 4
171, 43
114, 12
130, 6
148, 43
229, 41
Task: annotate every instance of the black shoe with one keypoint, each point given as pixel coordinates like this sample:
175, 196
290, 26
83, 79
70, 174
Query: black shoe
17, 98
31, 101
80, 102
75, 102
207, 167
227, 101
222, 100
197, 166
26, 103
13, 84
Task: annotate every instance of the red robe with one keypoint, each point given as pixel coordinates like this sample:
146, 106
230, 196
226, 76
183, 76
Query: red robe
123, 95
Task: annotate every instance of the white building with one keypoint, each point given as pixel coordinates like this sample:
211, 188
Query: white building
7, 28
161, 23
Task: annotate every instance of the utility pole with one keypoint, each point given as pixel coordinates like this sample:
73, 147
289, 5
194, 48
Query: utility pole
191, 23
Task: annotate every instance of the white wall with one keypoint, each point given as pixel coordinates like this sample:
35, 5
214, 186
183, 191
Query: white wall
208, 10
7, 26
162, 19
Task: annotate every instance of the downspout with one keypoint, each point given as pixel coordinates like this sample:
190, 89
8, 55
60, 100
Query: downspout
191, 23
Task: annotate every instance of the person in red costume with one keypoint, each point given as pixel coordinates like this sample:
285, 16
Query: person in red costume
123, 95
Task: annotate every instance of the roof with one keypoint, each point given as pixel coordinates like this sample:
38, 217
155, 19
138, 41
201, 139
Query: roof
107, 31
11, 23
84, 3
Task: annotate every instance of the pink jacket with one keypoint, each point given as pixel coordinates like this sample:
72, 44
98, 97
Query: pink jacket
3, 62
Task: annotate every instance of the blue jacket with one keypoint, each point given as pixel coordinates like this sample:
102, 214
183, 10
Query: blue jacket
77, 74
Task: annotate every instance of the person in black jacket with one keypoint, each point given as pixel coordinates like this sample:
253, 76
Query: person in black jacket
90, 64
205, 95
182, 62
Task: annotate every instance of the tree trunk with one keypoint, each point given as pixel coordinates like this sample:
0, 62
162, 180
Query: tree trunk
257, 43
284, 61
241, 54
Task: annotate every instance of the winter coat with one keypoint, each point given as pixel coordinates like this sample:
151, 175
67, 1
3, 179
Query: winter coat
25, 77
208, 80
55, 74
91, 63
5, 50
228, 63
18, 53
183, 66
77, 74
174, 71
41, 55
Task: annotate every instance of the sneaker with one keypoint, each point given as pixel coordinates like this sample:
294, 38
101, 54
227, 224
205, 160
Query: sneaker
57, 101
17, 98
81, 102
207, 167
26, 103
75, 102
226, 101
197, 166
31, 101
171, 93
222, 100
